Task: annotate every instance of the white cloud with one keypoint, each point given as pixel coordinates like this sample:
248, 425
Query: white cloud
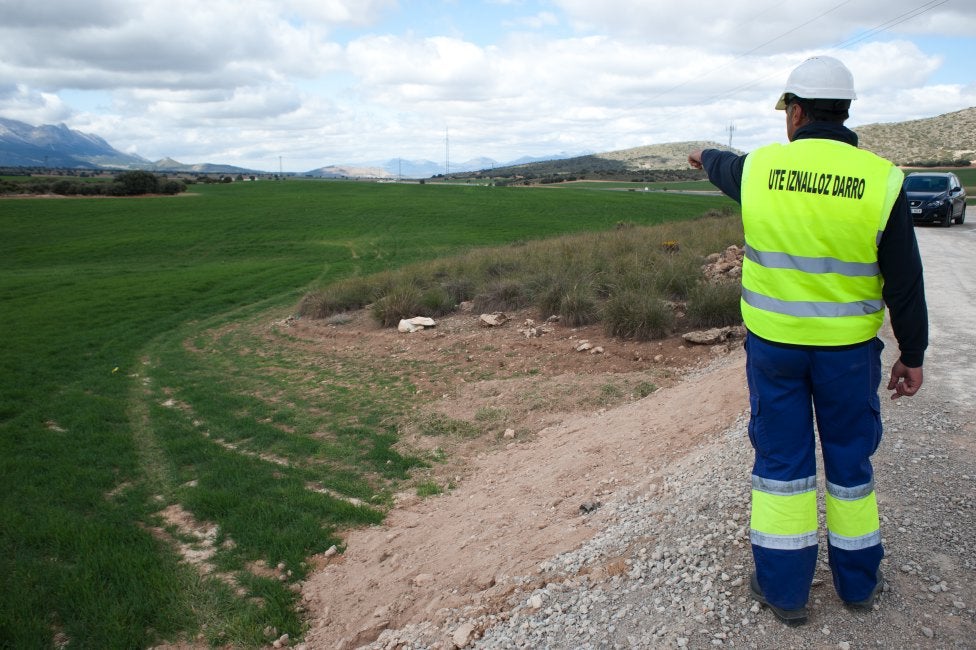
774, 26
343, 80
20, 102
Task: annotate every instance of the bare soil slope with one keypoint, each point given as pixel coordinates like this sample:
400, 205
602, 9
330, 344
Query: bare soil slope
521, 499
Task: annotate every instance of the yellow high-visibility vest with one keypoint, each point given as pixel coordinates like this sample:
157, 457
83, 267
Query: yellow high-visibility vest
813, 213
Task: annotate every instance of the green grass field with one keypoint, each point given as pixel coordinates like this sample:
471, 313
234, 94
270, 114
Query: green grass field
124, 392
677, 186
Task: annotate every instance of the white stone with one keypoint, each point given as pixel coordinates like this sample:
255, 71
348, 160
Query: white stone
462, 635
408, 325
708, 337
492, 320
423, 580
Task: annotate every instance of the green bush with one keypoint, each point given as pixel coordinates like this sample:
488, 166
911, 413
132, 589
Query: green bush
346, 295
676, 275
578, 306
135, 183
172, 186
435, 302
635, 314
459, 289
502, 294
404, 301
714, 305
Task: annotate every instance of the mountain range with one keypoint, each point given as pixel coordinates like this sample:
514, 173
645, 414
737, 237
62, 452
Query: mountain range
24, 145
48, 145
403, 168
944, 138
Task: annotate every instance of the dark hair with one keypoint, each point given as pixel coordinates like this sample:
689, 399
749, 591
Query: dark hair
822, 110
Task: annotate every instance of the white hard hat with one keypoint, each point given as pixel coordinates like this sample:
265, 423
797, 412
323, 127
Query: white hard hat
819, 77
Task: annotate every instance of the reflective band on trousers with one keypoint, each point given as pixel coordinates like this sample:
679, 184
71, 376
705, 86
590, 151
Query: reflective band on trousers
802, 309
773, 260
852, 516
784, 513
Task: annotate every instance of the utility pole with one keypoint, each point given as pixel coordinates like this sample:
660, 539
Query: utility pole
731, 130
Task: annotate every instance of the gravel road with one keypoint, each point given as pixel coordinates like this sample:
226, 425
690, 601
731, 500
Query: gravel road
671, 563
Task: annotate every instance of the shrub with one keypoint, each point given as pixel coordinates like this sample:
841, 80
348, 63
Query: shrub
315, 304
676, 275
459, 289
345, 295
404, 301
714, 305
500, 295
137, 182
548, 292
578, 306
63, 187
635, 314
436, 302
172, 186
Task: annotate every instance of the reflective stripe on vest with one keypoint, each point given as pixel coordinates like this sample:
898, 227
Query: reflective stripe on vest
852, 517
813, 213
784, 513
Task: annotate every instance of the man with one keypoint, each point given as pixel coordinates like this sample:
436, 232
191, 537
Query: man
828, 243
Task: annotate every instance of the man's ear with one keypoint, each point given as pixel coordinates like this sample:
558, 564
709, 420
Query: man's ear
797, 115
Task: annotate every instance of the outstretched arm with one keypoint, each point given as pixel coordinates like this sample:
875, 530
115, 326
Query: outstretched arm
724, 169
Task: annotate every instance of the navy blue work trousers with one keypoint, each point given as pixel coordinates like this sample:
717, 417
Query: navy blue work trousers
789, 388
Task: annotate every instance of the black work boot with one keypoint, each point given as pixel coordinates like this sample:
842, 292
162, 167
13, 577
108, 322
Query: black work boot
867, 604
791, 617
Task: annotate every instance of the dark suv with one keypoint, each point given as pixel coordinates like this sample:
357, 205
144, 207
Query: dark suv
935, 197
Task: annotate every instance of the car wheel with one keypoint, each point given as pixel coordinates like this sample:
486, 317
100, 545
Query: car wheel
962, 215
947, 219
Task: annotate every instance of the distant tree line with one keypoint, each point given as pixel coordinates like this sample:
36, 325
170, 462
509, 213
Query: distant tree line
131, 183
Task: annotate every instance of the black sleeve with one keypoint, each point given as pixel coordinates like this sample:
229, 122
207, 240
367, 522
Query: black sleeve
724, 170
904, 288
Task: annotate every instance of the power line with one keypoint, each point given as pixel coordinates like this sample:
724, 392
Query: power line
908, 15
877, 29
746, 53
883, 27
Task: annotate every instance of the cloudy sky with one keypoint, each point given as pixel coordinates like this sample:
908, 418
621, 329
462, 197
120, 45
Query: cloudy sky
308, 83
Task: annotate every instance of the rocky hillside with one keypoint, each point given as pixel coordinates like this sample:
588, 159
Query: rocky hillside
672, 155
659, 162
23, 145
948, 139
945, 139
